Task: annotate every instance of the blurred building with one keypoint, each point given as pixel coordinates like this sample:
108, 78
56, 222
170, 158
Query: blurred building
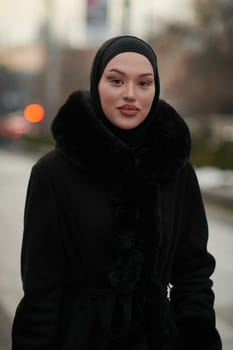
85, 22
52, 42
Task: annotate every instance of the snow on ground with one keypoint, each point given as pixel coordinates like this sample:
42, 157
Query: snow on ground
210, 177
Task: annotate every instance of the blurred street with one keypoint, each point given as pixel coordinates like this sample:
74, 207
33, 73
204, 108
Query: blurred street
14, 173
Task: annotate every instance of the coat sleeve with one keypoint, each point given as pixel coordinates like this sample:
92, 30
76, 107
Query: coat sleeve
35, 324
192, 296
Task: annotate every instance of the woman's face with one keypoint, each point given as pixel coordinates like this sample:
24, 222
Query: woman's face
127, 89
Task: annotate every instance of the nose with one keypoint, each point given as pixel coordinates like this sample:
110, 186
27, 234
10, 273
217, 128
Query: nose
129, 93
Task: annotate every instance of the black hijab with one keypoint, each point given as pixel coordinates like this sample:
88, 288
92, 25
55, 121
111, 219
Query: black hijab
111, 48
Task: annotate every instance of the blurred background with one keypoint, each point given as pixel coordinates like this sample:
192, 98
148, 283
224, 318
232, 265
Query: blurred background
46, 51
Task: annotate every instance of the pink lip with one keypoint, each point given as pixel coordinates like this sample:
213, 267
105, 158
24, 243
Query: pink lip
128, 110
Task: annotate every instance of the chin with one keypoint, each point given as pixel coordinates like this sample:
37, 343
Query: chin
127, 125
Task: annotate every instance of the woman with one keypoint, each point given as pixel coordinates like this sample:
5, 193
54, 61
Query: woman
114, 250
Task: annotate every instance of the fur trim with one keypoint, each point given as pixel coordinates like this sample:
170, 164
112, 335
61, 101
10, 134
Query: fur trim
83, 138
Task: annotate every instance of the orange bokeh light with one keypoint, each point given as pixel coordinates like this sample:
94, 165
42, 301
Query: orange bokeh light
34, 113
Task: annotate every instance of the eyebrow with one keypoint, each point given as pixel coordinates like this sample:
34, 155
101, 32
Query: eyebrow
122, 73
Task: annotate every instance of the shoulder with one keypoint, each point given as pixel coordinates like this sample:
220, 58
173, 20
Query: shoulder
165, 106
168, 114
171, 138
51, 163
49, 159
170, 124
187, 173
188, 182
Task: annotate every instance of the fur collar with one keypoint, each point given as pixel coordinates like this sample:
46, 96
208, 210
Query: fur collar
84, 139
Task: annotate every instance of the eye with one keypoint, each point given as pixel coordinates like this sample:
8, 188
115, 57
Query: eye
145, 83
116, 81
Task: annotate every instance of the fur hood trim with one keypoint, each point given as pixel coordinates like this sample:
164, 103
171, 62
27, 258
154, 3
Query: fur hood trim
83, 137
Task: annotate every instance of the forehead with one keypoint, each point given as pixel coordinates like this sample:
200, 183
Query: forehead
130, 60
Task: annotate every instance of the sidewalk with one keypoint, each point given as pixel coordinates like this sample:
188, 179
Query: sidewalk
5, 330
221, 195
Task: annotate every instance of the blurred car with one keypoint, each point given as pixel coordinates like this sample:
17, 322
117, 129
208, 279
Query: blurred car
14, 125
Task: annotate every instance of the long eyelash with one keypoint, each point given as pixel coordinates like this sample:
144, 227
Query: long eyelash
146, 83
116, 81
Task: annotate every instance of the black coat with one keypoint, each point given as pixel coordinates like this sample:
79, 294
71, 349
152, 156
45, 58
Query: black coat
114, 252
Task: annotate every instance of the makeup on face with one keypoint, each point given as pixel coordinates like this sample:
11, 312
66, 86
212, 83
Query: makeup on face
127, 89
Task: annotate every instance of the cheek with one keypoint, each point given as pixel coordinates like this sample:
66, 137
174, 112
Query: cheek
150, 99
103, 93
106, 99
107, 96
